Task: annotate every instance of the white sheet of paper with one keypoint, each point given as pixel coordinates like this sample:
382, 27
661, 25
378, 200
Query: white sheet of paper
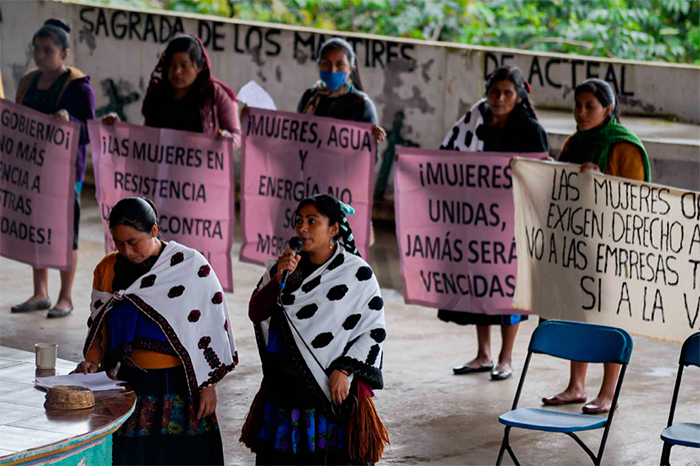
253, 95
97, 381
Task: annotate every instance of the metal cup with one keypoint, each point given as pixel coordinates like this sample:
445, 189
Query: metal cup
46, 354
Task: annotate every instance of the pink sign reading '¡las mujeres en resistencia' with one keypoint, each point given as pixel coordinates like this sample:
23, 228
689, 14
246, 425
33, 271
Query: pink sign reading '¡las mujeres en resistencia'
288, 157
189, 176
37, 186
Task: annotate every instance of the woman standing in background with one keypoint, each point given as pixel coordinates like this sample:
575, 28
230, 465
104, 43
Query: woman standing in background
64, 92
600, 143
503, 121
183, 94
338, 94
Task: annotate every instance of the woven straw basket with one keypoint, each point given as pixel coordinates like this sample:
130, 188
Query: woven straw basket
69, 397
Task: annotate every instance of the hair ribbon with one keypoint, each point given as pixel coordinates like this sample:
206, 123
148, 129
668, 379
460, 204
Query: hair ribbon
346, 208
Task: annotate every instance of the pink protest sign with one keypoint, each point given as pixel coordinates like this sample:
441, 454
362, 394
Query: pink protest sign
455, 228
37, 186
189, 176
288, 157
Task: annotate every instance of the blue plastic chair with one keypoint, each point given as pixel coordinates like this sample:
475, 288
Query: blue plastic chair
686, 434
575, 341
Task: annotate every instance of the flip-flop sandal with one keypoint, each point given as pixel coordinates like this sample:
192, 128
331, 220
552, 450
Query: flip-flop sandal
559, 401
595, 409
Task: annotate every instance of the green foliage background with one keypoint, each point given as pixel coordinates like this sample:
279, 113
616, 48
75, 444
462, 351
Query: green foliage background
654, 30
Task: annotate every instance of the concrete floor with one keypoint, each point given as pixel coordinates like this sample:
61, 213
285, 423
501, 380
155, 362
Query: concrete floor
433, 417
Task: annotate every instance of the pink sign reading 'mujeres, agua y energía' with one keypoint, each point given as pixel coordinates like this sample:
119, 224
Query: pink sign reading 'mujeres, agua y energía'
288, 157
189, 176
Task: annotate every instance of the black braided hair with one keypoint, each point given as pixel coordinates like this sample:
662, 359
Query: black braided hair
139, 213
522, 87
329, 207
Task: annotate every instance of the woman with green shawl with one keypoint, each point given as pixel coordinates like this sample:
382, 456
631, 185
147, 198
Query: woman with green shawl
600, 143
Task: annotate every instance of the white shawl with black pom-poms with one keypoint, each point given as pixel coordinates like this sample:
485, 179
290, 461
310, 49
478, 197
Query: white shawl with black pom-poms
183, 296
463, 134
336, 318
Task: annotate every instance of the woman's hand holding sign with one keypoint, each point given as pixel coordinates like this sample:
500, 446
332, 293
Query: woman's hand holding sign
589, 166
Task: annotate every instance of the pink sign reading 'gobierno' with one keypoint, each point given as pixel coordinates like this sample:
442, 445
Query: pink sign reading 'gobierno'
189, 176
288, 157
37, 186
455, 229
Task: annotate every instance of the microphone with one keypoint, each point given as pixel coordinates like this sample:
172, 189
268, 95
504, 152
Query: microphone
296, 244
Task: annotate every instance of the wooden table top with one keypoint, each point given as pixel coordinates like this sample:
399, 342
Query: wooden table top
28, 432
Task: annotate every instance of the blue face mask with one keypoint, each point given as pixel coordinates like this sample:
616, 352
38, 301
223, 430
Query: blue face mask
334, 80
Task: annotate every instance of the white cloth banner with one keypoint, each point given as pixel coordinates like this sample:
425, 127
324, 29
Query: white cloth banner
596, 248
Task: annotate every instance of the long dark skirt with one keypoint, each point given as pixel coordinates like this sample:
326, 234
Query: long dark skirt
294, 429
164, 428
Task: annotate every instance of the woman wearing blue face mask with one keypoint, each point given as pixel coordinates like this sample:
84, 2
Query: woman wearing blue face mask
339, 94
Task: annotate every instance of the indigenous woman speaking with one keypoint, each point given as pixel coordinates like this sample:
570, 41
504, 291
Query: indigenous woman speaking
320, 338
183, 94
64, 92
600, 143
504, 121
159, 321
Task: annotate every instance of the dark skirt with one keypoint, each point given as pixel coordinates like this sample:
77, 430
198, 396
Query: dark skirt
164, 428
294, 428
471, 318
